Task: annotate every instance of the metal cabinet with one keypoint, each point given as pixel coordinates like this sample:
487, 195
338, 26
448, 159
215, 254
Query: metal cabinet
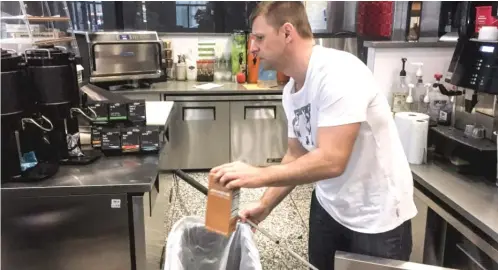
199, 135
66, 232
258, 132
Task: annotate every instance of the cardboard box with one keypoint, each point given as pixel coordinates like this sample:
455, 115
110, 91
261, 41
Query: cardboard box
222, 208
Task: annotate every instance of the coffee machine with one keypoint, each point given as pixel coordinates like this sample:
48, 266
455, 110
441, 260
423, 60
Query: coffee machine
22, 127
469, 144
54, 89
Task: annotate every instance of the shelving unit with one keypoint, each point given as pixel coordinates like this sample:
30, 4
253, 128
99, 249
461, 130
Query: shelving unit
41, 23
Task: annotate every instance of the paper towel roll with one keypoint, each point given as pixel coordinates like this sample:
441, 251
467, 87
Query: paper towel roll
417, 147
412, 134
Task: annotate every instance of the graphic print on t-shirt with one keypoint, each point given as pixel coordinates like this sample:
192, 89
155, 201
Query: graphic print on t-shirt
302, 124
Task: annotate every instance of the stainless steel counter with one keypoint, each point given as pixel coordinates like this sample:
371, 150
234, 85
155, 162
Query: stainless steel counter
404, 44
187, 87
473, 198
108, 175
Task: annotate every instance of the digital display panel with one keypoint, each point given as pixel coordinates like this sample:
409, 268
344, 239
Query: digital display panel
487, 49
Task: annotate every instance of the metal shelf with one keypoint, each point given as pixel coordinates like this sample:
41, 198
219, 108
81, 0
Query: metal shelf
37, 18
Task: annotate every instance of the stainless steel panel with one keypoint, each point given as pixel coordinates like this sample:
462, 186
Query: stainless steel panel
400, 17
78, 232
467, 232
429, 24
258, 132
347, 44
419, 223
341, 16
139, 232
198, 114
256, 113
199, 144
350, 261
125, 58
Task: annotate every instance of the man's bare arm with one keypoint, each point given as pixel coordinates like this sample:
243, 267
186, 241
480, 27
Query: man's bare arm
328, 160
274, 195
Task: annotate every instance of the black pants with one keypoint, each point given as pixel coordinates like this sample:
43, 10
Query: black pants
326, 236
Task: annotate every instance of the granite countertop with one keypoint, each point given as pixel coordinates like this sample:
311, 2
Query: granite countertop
107, 175
405, 44
187, 87
472, 197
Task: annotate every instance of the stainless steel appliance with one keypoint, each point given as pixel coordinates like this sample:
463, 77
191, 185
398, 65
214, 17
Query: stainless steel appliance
473, 69
250, 128
121, 56
258, 132
339, 31
199, 134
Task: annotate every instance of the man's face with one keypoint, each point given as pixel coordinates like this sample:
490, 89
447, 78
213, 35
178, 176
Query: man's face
268, 43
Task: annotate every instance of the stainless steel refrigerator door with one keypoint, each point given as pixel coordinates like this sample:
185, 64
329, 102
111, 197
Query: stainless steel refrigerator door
199, 135
258, 131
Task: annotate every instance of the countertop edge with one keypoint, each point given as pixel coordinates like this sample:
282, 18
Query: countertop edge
199, 92
405, 44
491, 232
8, 193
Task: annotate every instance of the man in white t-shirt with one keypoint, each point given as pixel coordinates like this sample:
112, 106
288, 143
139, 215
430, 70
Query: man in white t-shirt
341, 136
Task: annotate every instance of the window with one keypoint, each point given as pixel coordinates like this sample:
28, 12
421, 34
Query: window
194, 14
86, 16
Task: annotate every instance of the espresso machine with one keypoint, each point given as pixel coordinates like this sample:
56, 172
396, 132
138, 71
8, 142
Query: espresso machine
54, 89
472, 81
22, 126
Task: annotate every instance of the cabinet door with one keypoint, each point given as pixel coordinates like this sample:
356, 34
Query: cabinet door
72, 232
199, 135
258, 132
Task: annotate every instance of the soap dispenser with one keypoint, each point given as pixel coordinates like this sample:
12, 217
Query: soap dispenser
420, 89
400, 91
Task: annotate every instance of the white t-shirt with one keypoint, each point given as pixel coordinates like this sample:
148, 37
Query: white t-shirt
375, 192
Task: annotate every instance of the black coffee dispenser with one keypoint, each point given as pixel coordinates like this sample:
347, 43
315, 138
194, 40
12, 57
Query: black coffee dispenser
54, 87
22, 127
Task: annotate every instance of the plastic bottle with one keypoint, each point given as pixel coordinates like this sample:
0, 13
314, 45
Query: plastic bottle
440, 107
420, 90
400, 91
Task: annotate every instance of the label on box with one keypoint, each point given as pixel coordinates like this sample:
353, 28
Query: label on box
111, 139
149, 139
117, 111
95, 137
130, 139
101, 111
136, 111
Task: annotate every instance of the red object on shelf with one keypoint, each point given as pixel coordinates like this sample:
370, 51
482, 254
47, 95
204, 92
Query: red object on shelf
484, 18
375, 18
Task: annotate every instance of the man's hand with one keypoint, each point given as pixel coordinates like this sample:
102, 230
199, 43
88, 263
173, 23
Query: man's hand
239, 175
256, 212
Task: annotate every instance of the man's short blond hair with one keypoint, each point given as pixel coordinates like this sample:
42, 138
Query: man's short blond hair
277, 13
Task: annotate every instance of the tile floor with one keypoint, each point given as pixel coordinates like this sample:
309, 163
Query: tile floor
289, 221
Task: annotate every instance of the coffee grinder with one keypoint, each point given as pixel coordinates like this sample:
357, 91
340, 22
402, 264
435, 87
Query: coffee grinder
54, 84
22, 127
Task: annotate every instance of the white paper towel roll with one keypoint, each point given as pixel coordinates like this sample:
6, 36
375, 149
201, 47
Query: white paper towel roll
417, 148
413, 129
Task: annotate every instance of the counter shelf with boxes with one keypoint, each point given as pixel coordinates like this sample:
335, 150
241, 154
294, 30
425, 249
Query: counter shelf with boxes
120, 128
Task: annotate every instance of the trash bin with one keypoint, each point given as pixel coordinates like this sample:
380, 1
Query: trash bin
191, 246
